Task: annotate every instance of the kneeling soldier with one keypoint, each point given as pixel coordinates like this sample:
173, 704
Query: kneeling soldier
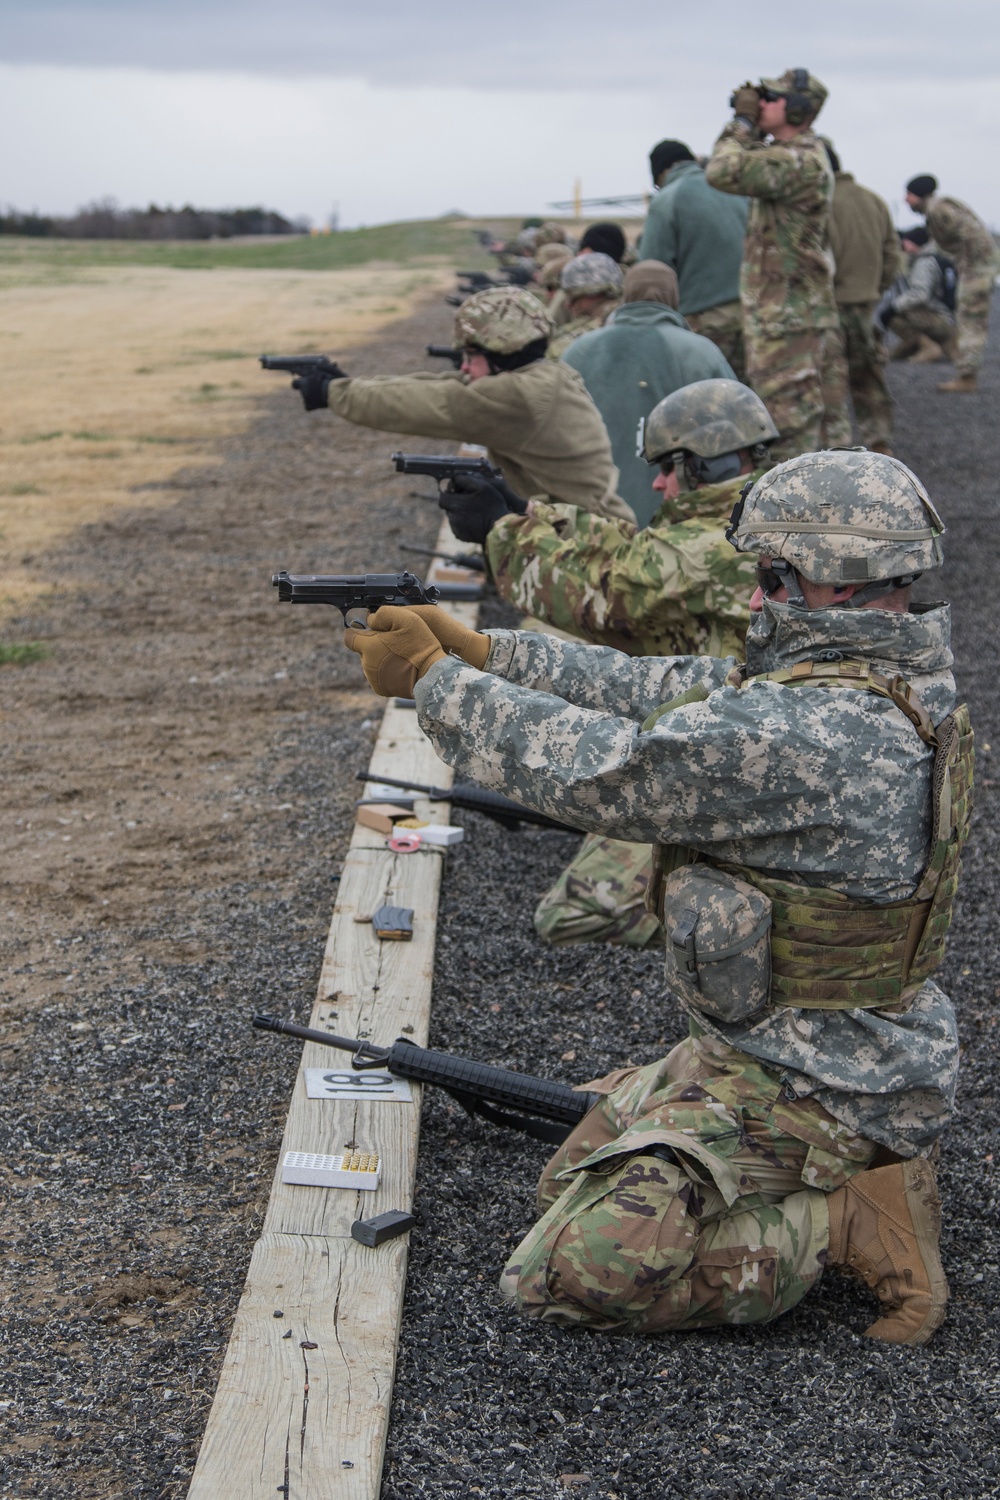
810, 810
532, 414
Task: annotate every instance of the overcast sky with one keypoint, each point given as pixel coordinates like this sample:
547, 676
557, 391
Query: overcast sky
401, 109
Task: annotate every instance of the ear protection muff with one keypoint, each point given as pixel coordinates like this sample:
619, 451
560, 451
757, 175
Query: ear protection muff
798, 107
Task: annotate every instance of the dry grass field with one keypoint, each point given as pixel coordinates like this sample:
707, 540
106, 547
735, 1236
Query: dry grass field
113, 376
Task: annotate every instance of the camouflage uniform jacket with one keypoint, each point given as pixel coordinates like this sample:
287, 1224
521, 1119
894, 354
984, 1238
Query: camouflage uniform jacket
538, 423
778, 778
676, 587
961, 234
786, 282
574, 327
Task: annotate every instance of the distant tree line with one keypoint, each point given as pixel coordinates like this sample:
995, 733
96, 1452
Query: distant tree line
106, 221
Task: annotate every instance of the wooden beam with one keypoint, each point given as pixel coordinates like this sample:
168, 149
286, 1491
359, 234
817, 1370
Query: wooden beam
302, 1404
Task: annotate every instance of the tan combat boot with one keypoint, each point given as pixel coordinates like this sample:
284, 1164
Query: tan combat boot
905, 349
929, 353
884, 1227
964, 383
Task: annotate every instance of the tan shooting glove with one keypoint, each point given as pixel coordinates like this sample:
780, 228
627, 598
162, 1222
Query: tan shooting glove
387, 674
471, 645
745, 103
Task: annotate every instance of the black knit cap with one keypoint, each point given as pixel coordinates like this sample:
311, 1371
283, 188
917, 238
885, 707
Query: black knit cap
609, 239
918, 235
922, 186
665, 154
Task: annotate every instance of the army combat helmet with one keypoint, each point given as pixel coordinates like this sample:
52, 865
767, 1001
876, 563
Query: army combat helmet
844, 516
704, 426
802, 92
507, 324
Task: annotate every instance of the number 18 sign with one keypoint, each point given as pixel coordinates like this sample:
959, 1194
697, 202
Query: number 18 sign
345, 1083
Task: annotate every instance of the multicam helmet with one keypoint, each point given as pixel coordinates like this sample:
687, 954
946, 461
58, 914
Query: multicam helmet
502, 320
802, 91
592, 275
707, 418
842, 516
549, 233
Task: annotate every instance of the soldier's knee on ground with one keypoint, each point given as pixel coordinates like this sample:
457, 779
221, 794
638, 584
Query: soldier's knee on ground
613, 1243
600, 896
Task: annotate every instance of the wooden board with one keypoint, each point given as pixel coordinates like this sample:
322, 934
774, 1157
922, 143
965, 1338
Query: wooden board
306, 1422
287, 1419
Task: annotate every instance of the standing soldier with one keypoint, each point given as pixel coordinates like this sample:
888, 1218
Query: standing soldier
699, 232
794, 349
958, 232
630, 364
866, 250
810, 810
532, 414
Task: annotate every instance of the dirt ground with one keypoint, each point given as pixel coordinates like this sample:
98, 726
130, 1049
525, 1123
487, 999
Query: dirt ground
111, 379
178, 791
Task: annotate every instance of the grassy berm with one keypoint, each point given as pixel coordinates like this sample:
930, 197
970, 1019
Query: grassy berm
196, 747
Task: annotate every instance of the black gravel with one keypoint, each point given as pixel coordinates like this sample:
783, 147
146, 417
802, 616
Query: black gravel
130, 1226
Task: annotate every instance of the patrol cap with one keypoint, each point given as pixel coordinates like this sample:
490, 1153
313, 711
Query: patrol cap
841, 516
502, 320
707, 418
591, 276
802, 90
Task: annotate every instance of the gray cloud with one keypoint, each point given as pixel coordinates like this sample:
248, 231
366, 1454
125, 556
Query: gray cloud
514, 44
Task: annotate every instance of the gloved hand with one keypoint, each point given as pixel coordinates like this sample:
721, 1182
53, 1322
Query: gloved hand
471, 645
406, 635
745, 103
474, 506
313, 387
387, 674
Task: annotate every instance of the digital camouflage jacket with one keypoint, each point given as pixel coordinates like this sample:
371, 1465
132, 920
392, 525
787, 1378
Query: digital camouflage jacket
835, 793
786, 282
676, 587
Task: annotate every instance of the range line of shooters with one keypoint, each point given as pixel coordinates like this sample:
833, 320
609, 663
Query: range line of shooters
767, 796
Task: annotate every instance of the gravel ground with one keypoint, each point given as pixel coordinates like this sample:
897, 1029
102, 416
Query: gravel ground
489, 1404
138, 1155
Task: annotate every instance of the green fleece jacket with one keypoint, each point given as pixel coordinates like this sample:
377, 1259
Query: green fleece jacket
644, 352
864, 243
699, 232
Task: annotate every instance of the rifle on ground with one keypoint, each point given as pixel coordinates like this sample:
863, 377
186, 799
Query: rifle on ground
543, 1109
367, 591
445, 351
474, 561
502, 810
443, 467
299, 364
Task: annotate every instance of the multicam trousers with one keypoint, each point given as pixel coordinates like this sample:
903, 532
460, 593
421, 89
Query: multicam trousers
866, 359
909, 325
801, 377
724, 326
599, 897
972, 315
692, 1195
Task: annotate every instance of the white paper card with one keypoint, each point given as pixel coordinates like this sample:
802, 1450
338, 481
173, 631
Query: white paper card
345, 1083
